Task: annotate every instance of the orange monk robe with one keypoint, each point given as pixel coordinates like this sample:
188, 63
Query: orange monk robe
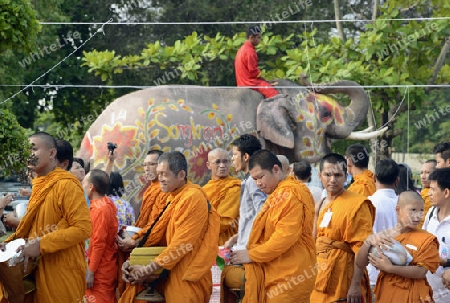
427, 205
392, 288
189, 228
282, 248
149, 198
57, 212
363, 184
224, 194
102, 253
153, 202
338, 243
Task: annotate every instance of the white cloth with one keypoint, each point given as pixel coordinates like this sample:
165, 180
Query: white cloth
252, 199
316, 192
442, 232
385, 201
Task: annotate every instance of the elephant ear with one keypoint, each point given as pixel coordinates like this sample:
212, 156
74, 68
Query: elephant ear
273, 122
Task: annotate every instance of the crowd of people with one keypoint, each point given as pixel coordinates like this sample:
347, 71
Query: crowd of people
286, 244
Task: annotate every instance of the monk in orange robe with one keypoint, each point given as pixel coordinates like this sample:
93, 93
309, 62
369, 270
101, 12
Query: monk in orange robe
343, 221
281, 236
102, 252
246, 65
153, 202
223, 192
189, 227
56, 224
427, 168
357, 166
401, 284
152, 191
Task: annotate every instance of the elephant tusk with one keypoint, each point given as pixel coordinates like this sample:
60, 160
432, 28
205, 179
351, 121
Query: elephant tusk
367, 135
364, 130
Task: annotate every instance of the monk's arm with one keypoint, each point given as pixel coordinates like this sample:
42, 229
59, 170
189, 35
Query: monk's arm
190, 217
287, 218
75, 225
98, 238
361, 261
411, 272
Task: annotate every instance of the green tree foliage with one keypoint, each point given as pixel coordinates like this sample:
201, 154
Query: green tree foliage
18, 26
203, 54
14, 147
385, 52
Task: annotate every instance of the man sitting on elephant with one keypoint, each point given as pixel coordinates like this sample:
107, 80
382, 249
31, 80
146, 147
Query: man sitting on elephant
246, 65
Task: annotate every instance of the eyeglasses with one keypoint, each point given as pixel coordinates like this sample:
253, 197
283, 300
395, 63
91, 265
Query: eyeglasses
150, 163
218, 161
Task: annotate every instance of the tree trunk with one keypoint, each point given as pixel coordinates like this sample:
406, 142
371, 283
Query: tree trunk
439, 62
384, 148
375, 9
337, 14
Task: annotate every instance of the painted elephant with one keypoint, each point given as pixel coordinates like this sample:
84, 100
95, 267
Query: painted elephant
195, 119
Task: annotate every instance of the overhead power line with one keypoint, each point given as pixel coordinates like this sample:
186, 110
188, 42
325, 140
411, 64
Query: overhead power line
317, 87
239, 22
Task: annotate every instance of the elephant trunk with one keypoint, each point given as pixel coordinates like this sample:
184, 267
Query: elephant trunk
355, 112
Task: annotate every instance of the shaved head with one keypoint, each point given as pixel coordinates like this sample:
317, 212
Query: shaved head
284, 163
48, 140
219, 163
408, 197
216, 153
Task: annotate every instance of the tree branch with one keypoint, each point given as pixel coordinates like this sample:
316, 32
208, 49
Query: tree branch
439, 62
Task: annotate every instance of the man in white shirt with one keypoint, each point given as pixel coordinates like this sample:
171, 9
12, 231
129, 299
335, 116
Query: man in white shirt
385, 200
302, 171
252, 199
437, 222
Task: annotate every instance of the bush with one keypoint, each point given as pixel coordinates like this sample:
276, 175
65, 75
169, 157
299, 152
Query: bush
14, 146
18, 26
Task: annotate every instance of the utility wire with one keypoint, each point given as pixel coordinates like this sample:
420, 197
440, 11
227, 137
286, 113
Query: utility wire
240, 22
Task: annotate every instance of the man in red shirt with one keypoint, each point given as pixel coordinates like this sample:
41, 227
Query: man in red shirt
246, 65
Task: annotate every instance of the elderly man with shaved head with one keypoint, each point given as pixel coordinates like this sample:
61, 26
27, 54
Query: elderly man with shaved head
223, 192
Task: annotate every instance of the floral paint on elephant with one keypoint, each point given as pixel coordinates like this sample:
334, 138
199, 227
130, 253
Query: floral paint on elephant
320, 111
155, 133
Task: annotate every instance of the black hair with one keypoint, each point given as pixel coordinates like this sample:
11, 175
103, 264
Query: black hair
64, 151
265, 159
443, 148
442, 177
247, 144
155, 152
387, 171
358, 154
100, 180
79, 161
254, 30
176, 160
47, 138
302, 170
116, 187
405, 181
432, 161
334, 158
